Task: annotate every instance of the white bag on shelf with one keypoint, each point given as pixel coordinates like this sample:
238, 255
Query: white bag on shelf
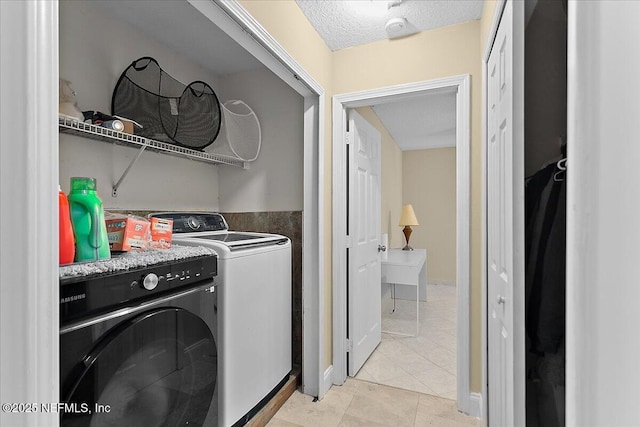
240, 135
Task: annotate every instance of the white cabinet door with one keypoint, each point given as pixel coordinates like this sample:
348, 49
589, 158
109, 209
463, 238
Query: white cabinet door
505, 220
364, 232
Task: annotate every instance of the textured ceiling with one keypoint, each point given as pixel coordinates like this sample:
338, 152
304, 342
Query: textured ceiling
343, 23
427, 121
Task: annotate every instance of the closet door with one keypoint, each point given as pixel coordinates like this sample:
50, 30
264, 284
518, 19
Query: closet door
505, 220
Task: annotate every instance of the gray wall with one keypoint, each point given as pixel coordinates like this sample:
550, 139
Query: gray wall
94, 50
95, 47
274, 182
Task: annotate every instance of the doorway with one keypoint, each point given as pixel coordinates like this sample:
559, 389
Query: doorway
461, 86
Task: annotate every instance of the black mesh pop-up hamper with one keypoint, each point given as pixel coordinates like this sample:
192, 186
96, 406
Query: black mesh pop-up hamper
185, 115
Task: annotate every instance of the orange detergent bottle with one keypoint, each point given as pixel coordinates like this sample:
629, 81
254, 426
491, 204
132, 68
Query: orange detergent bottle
66, 243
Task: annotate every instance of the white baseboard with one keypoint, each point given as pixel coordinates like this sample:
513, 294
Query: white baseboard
327, 382
475, 405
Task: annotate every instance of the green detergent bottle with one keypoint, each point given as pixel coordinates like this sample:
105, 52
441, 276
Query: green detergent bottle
87, 218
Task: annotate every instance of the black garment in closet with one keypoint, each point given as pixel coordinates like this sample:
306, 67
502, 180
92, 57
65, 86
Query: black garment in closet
545, 222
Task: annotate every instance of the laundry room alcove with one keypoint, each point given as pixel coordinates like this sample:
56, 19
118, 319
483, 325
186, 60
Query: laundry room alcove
99, 39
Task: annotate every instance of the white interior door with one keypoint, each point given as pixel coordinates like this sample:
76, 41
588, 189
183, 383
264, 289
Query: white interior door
364, 231
505, 220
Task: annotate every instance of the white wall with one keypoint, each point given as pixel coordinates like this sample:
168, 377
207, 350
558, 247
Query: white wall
274, 181
95, 48
603, 346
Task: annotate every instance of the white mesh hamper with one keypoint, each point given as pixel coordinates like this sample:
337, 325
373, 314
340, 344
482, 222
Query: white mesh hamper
240, 134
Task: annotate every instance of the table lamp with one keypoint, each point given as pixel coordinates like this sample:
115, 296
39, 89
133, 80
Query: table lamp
408, 218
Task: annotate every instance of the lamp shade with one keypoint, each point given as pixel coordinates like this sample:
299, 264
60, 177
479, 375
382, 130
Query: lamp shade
408, 217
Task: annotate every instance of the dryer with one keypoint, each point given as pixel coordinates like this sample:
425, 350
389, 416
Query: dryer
254, 310
138, 345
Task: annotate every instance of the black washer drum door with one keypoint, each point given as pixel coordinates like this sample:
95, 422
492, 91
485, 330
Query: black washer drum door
155, 369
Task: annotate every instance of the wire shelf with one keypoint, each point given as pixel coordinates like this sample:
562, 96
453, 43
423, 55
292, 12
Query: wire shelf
99, 133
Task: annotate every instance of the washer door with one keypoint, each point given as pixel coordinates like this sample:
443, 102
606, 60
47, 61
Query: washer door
155, 369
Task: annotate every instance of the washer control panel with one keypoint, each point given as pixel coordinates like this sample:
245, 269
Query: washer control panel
82, 297
190, 222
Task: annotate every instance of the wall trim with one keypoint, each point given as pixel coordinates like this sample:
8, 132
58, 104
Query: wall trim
327, 380
463, 240
463, 195
29, 328
252, 36
476, 405
339, 231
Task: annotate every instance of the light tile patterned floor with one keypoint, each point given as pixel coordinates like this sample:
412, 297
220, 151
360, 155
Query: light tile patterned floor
427, 363
361, 403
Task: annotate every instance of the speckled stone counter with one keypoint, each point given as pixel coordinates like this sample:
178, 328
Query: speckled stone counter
130, 260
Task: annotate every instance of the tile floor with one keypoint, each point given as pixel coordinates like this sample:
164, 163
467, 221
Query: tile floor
427, 363
361, 403
407, 381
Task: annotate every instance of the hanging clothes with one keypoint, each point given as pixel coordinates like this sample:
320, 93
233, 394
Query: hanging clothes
545, 252
545, 221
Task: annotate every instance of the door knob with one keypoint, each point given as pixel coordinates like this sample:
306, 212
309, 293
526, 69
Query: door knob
500, 299
382, 248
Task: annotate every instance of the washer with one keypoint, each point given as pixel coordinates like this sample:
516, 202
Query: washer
254, 310
138, 347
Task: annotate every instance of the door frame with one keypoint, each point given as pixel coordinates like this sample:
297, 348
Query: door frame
29, 306
468, 402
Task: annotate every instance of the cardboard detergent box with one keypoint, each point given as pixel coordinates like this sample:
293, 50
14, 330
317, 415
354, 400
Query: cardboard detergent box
126, 233
161, 233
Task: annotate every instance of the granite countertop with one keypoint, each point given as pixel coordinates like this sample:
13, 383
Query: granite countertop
131, 260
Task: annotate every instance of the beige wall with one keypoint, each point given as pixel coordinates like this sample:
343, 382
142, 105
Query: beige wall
438, 53
429, 184
426, 179
391, 179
